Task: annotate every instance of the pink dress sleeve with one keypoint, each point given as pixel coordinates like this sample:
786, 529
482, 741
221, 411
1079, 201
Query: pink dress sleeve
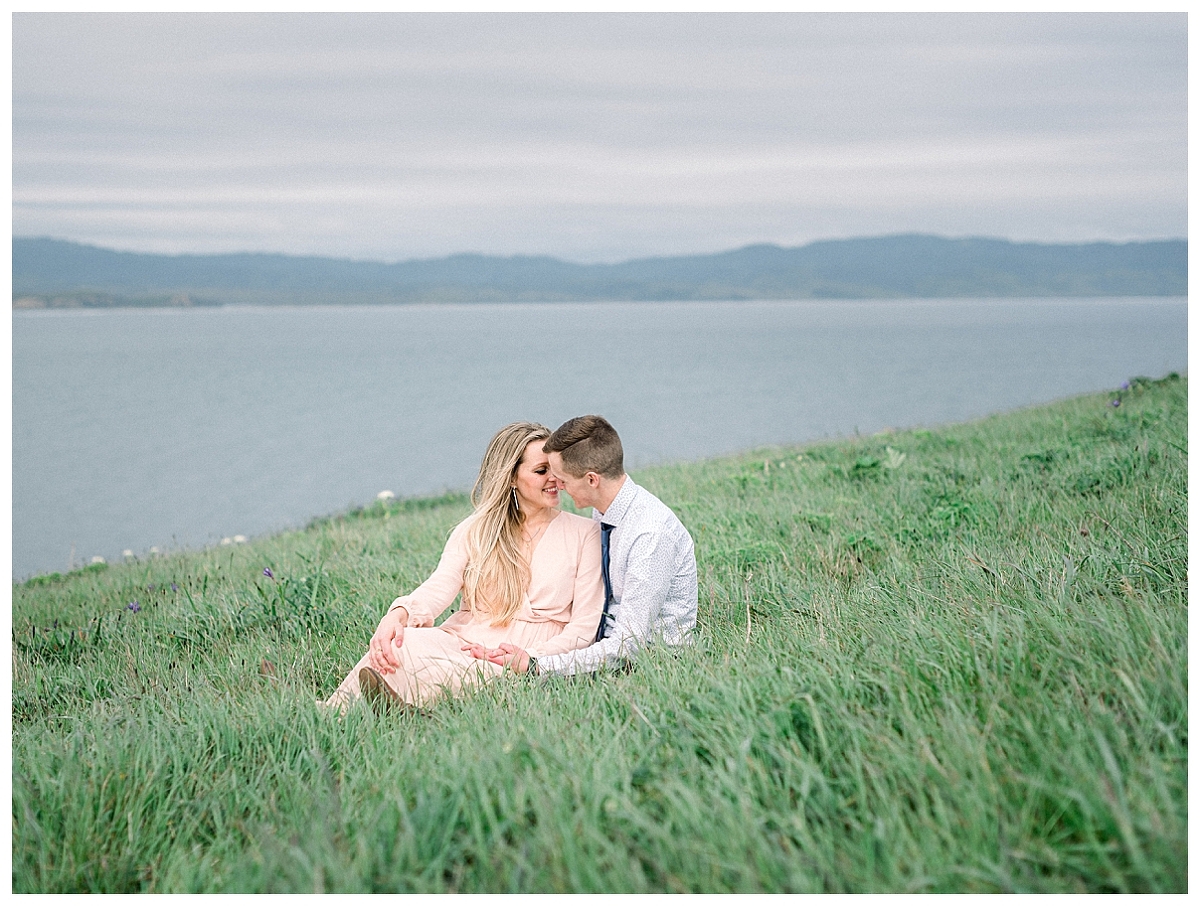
587, 602
426, 603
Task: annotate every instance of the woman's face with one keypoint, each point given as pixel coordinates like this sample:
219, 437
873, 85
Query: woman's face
536, 487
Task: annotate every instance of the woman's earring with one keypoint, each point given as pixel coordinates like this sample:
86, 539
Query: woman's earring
516, 504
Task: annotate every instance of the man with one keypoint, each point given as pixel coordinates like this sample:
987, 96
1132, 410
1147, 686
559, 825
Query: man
648, 556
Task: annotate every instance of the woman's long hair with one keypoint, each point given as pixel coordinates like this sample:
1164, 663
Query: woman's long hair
497, 576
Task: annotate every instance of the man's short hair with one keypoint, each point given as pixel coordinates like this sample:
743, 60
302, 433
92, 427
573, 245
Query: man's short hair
588, 444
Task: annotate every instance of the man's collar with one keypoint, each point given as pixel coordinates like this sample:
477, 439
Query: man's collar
620, 504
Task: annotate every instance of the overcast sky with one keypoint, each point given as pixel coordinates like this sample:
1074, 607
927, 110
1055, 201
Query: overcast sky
593, 137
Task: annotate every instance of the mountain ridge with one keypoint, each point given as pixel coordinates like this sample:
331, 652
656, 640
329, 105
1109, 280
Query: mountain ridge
59, 273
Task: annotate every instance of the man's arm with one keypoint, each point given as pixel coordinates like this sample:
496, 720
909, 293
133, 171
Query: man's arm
648, 573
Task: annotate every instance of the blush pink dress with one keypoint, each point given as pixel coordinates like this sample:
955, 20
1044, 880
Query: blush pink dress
561, 612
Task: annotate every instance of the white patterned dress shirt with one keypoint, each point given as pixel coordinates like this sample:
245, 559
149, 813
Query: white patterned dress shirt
652, 568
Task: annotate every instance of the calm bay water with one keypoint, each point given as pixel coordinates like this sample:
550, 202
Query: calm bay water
175, 428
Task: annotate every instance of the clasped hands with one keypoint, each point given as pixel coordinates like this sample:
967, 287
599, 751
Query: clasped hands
506, 655
383, 653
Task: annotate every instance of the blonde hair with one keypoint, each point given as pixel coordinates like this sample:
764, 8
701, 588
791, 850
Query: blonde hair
497, 575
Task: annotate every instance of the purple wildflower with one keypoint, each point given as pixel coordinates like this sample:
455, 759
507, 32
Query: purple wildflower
267, 572
1125, 386
1115, 403
134, 606
174, 587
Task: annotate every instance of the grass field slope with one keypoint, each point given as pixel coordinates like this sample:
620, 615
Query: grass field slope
929, 660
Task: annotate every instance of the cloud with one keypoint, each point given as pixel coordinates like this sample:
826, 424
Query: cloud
593, 137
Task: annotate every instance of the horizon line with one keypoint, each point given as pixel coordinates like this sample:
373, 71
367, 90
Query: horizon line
532, 256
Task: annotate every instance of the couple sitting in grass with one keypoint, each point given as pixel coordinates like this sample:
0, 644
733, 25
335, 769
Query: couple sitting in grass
543, 591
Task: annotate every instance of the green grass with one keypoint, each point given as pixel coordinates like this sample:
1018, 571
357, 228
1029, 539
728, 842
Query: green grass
947, 660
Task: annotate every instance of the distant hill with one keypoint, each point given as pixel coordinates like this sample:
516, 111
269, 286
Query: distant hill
55, 273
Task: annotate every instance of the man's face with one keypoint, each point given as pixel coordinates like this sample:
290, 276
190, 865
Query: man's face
582, 489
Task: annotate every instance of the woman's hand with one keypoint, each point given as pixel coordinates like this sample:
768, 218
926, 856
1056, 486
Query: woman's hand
507, 655
384, 651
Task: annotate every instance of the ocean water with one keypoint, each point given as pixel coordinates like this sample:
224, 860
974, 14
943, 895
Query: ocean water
176, 428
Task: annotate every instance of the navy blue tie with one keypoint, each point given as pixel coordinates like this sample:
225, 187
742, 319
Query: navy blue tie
605, 531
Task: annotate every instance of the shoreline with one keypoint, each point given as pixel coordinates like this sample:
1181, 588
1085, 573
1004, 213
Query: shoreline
449, 497
29, 309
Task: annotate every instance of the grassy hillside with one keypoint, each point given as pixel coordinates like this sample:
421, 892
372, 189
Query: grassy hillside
949, 660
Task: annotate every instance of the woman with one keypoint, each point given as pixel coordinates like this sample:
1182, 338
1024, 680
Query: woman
528, 573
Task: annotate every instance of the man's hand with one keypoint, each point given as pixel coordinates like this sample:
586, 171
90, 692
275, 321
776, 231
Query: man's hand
507, 655
384, 651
